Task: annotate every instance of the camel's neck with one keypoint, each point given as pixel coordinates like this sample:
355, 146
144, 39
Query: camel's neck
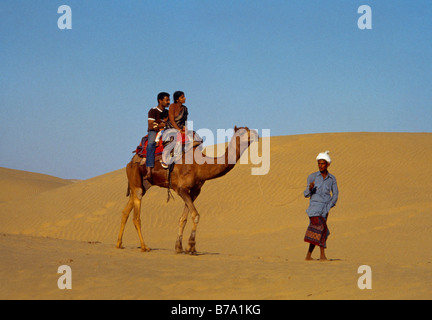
217, 167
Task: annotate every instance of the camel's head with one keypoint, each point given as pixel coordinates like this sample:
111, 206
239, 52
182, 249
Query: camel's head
246, 134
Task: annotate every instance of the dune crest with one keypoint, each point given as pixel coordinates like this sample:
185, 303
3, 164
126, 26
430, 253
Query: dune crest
16, 184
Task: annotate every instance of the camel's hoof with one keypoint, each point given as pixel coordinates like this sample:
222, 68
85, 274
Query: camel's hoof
179, 248
191, 252
145, 249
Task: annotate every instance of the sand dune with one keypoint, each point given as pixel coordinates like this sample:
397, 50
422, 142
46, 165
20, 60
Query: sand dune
16, 184
250, 236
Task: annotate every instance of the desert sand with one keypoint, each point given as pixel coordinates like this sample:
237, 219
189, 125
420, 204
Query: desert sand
250, 236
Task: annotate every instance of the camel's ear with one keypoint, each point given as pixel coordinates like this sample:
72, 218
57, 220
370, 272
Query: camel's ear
235, 129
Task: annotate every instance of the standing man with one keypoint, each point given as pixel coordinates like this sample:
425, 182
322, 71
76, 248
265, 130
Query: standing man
319, 186
155, 123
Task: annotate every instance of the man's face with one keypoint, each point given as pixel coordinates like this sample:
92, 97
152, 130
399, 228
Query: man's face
165, 102
322, 165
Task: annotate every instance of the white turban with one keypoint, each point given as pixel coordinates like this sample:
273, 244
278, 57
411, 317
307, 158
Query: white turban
324, 156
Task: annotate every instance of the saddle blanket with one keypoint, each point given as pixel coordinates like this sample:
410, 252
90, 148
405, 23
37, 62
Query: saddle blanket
181, 140
141, 149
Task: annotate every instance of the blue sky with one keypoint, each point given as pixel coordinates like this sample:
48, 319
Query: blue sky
74, 102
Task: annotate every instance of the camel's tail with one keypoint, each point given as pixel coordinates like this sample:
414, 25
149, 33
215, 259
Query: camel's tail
128, 190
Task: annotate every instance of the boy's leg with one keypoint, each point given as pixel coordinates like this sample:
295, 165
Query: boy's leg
150, 155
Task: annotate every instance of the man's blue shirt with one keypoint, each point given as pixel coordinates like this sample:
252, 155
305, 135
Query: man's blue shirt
320, 198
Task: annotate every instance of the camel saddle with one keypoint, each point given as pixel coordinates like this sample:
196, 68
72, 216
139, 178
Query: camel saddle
141, 149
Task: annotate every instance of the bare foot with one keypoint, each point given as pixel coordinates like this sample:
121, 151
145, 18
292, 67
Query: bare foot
309, 257
148, 176
323, 258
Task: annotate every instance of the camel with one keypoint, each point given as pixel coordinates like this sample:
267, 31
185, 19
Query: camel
186, 180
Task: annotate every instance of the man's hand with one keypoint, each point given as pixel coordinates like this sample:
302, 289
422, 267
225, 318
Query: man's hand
311, 185
161, 125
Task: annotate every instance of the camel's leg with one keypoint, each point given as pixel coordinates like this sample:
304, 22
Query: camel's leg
125, 216
194, 193
182, 223
137, 217
189, 198
195, 219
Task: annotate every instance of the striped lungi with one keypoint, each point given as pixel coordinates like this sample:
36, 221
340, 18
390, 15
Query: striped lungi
317, 231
